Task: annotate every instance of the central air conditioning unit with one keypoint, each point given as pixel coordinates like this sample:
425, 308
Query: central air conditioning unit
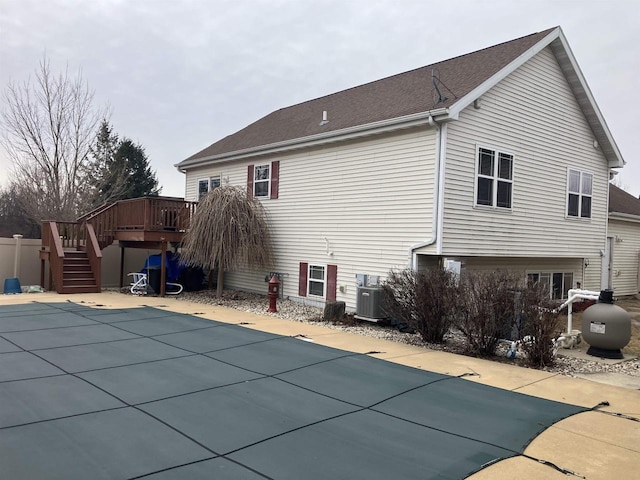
369, 304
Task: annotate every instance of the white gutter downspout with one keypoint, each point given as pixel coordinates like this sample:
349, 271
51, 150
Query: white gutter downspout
437, 194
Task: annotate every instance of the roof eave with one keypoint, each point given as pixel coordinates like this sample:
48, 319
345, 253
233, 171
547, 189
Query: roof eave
626, 217
350, 133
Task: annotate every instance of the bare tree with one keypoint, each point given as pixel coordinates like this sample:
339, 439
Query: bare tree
48, 126
228, 230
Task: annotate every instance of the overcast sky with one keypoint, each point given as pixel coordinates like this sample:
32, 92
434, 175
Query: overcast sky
179, 75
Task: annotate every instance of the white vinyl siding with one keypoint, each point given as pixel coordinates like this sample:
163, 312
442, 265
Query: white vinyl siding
625, 276
524, 266
371, 199
533, 115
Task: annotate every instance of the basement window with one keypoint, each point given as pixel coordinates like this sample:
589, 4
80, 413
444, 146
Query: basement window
556, 283
317, 280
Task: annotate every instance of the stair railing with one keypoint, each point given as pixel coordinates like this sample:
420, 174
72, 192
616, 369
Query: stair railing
104, 222
52, 240
94, 253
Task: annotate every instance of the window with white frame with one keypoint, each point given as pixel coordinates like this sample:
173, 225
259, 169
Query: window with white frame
494, 186
261, 180
205, 185
556, 283
579, 192
317, 280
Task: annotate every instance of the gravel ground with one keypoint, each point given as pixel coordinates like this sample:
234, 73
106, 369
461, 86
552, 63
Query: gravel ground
454, 342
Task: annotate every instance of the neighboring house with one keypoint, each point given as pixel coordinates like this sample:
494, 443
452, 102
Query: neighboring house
623, 240
495, 159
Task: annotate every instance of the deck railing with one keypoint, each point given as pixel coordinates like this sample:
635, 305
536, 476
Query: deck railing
154, 213
104, 223
139, 214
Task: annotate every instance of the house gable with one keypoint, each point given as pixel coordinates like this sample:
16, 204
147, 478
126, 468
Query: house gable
533, 116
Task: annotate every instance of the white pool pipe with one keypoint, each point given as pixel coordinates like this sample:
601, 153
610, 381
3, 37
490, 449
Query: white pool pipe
575, 294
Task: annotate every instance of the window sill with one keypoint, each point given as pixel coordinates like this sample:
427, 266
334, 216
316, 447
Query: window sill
577, 219
487, 208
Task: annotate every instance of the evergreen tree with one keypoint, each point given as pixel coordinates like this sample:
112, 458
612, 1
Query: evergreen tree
119, 169
141, 180
108, 176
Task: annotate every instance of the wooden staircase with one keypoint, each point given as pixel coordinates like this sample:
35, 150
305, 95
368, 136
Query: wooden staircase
77, 274
74, 256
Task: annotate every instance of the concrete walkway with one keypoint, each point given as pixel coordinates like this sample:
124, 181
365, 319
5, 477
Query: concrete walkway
600, 444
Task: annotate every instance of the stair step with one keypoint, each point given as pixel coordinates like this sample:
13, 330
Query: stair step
76, 264
79, 267
77, 274
75, 282
76, 259
75, 254
80, 289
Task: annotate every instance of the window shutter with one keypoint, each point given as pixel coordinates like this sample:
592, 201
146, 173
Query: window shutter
250, 181
275, 178
332, 282
302, 279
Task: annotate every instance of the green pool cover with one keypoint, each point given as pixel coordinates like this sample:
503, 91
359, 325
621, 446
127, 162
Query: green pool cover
104, 394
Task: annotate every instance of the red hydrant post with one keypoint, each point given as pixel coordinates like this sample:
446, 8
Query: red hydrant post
274, 292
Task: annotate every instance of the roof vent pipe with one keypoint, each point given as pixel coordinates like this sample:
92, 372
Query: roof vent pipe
324, 118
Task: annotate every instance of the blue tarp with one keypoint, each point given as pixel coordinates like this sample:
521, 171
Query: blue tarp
173, 266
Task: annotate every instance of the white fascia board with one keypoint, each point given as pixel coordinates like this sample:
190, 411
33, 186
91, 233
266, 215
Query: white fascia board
624, 217
497, 77
350, 133
583, 88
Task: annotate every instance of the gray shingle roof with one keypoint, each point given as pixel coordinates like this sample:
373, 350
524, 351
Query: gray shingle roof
623, 202
392, 97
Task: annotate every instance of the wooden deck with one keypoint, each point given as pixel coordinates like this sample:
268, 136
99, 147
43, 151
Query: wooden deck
148, 222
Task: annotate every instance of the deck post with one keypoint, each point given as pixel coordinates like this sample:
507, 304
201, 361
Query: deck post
163, 270
121, 266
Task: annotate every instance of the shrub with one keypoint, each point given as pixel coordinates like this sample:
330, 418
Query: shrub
537, 326
487, 310
426, 301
